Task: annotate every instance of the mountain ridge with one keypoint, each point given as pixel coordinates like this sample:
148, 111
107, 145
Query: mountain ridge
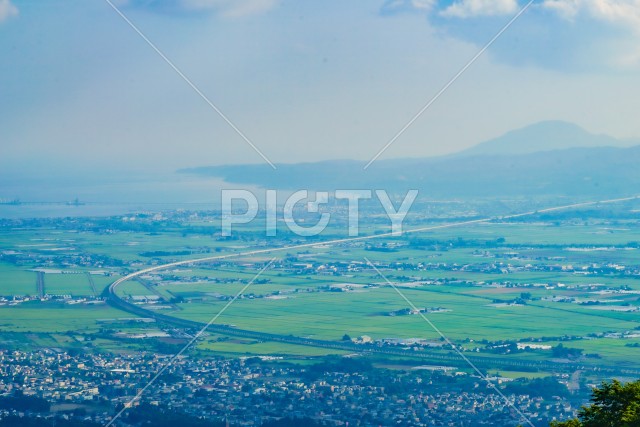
549, 135
486, 171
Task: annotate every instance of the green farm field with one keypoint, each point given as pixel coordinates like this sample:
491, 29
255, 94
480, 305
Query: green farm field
56, 317
473, 273
16, 281
328, 315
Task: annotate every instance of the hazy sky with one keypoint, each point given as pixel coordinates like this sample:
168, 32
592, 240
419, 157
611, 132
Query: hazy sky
304, 80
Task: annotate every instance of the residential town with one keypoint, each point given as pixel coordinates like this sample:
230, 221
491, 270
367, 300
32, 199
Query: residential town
253, 391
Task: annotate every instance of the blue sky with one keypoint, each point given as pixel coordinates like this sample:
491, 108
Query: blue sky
304, 80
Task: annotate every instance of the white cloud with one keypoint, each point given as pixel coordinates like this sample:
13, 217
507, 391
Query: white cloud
625, 12
231, 7
602, 33
397, 6
565, 8
7, 10
423, 4
470, 8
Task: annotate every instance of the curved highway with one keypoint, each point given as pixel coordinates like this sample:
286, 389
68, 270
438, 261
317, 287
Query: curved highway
452, 358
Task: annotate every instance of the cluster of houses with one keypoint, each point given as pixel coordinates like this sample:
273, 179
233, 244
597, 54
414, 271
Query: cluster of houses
248, 393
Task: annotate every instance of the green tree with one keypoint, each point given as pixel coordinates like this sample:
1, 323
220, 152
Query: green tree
613, 405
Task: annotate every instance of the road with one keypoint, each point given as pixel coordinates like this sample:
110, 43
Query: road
92, 283
429, 356
40, 283
488, 362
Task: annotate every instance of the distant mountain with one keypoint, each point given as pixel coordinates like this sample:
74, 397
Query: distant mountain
547, 158
601, 171
543, 136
